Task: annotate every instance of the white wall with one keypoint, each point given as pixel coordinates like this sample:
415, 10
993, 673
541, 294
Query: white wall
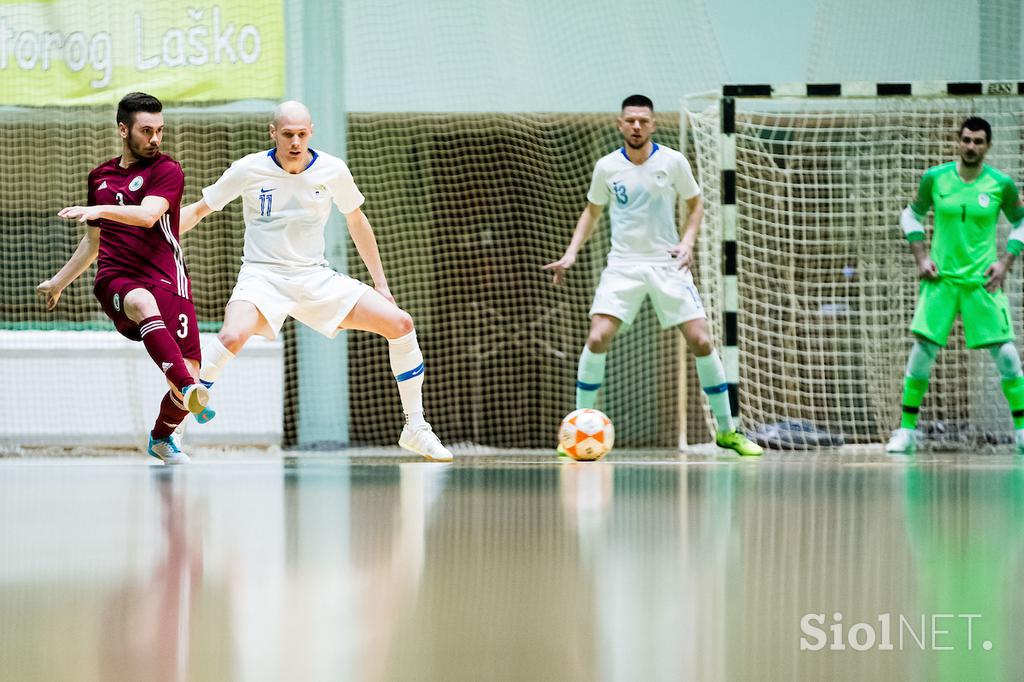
524, 55
576, 55
86, 388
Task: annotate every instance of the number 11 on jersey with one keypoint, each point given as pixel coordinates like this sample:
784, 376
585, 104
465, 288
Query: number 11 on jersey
266, 202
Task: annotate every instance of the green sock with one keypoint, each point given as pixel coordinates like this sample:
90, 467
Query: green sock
914, 389
589, 377
1013, 389
712, 380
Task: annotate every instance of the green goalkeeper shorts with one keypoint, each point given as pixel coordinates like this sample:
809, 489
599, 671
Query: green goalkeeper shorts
986, 316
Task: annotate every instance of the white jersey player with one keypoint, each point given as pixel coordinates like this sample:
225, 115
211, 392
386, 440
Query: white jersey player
643, 182
287, 193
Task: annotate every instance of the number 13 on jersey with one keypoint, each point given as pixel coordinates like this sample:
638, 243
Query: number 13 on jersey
620, 193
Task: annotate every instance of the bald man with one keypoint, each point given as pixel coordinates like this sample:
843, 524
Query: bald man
287, 193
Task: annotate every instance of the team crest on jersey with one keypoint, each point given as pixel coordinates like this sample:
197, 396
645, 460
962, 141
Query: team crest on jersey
983, 200
135, 183
661, 179
318, 189
117, 302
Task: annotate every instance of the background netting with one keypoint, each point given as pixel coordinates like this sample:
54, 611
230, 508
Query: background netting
467, 208
827, 285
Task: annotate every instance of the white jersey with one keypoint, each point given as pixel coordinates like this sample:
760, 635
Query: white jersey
643, 202
285, 213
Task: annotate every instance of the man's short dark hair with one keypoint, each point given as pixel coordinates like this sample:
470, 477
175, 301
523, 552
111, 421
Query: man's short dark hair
133, 103
975, 124
638, 101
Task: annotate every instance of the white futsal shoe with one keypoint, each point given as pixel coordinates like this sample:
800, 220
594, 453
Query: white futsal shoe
423, 441
903, 442
166, 450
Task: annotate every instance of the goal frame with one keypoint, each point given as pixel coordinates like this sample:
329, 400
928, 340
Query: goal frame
727, 96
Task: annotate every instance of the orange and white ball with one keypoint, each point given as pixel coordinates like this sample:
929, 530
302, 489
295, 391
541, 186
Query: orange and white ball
586, 434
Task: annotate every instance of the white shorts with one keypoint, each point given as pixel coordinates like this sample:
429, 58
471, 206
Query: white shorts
317, 296
622, 290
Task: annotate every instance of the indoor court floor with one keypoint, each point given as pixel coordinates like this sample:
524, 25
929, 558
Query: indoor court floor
644, 566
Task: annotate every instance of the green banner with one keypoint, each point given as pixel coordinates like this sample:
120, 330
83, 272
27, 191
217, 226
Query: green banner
74, 52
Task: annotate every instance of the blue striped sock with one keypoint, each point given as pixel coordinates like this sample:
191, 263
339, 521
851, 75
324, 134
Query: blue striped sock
711, 373
589, 377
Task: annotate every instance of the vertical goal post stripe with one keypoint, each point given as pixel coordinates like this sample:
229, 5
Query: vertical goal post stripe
730, 330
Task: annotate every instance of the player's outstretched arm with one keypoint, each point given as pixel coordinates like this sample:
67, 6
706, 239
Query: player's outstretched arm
926, 267
79, 262
584, 228
912, 224
192, 214
366, 244
1013, 208
146, 214
683, 251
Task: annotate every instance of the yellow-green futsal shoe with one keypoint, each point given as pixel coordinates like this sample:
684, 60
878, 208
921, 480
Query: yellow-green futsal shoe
734, 440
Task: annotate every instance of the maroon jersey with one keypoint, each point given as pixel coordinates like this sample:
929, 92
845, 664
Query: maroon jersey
150, 255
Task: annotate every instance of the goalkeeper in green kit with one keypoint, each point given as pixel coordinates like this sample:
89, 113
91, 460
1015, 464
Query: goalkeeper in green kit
963, 274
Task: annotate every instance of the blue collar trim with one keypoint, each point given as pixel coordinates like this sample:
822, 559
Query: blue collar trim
273, 156
654, 151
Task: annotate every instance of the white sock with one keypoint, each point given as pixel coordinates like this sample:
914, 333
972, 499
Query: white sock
407, 366
711, 373
589, 377
215, 356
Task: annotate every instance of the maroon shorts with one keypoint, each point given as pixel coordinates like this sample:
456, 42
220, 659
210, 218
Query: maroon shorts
179, 314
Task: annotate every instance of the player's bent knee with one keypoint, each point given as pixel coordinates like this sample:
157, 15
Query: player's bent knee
140, 304
600, 343
401, 324
700, 346
233, 340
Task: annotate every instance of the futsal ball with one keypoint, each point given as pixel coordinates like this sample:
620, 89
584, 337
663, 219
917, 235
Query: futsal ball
586, 435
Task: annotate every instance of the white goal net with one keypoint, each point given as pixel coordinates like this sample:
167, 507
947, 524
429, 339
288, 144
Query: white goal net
826, 283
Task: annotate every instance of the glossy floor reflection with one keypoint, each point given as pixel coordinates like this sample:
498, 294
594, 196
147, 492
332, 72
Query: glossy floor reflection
643, 567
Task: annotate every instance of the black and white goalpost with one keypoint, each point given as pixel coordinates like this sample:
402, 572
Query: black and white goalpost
807, 278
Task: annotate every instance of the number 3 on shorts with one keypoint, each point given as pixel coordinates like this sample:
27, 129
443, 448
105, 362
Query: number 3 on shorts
183, 331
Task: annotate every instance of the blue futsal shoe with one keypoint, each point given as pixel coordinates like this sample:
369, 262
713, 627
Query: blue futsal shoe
206, 415
166, 450
196, 398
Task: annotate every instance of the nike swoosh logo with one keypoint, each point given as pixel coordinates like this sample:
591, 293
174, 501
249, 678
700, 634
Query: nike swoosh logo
264, 191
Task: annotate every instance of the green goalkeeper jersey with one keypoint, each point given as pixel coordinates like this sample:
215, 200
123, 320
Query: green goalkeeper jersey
966, 214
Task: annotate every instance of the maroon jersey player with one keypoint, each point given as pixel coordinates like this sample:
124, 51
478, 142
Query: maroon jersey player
142, 283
